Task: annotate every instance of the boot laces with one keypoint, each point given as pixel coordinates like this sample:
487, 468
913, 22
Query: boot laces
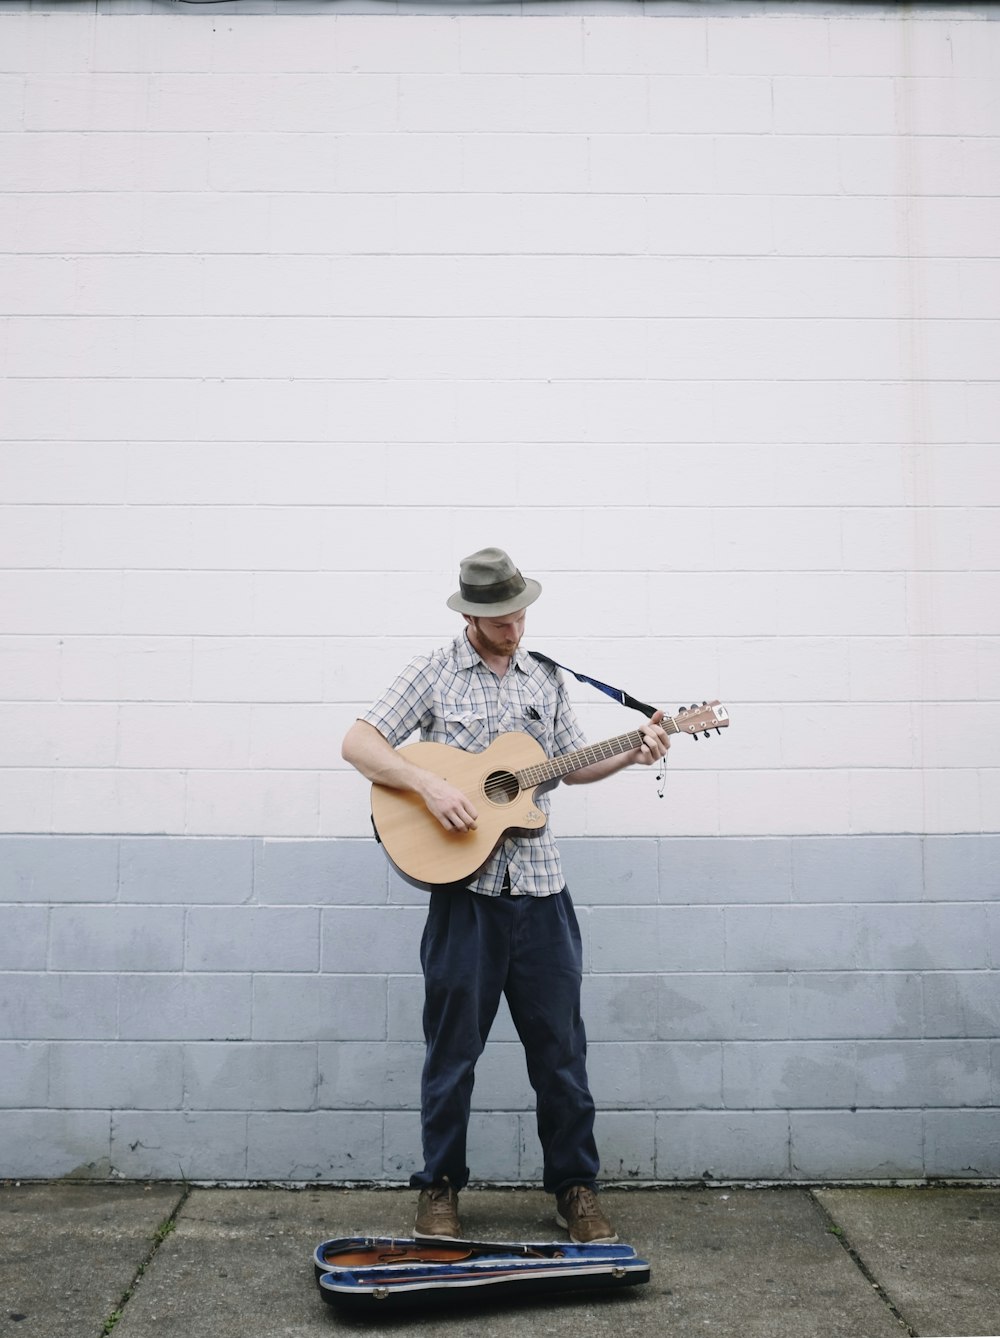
439, 1197
586, 1201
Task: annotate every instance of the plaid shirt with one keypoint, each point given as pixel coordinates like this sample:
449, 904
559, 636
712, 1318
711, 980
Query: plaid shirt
452, 697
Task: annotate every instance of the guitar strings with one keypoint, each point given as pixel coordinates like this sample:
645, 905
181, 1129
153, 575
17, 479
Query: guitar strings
510, 783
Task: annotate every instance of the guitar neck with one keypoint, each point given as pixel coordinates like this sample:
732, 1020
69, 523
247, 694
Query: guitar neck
557, 767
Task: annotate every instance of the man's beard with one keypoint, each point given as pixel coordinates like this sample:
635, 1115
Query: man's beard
506, 647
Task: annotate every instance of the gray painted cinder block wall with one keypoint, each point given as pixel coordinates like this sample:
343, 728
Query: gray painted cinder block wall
780, 1008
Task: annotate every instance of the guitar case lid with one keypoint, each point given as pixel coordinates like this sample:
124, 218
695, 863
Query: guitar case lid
390, 1272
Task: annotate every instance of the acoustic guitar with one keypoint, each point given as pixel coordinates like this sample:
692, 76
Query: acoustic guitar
500, 782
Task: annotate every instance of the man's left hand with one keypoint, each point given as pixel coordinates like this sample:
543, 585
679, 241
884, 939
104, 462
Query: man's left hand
655, 741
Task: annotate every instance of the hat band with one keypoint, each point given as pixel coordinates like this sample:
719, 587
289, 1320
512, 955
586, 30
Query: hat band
495, 593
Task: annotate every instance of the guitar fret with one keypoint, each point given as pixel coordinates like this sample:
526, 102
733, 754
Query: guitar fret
558, 767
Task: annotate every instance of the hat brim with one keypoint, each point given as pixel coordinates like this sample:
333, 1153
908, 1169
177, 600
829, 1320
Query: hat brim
532, 589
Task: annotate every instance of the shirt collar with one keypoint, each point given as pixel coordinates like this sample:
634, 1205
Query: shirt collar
465, 655
522, 660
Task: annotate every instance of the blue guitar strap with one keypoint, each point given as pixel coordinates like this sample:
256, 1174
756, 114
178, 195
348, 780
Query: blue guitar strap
623, 698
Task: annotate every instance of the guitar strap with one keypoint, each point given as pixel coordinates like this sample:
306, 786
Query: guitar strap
623, 698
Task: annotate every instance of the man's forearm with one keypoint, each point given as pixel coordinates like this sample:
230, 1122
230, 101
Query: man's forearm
373, 755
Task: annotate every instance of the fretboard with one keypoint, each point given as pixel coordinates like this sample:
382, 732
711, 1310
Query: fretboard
557, 767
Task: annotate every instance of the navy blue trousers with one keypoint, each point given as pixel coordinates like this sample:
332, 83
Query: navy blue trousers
475, 949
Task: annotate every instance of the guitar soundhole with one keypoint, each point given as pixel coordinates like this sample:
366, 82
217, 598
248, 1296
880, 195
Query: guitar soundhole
500, 787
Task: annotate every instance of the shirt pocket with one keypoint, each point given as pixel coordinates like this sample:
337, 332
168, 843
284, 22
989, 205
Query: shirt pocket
463, 728
538, 720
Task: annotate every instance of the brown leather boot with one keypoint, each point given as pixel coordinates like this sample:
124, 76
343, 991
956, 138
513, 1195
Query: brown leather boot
437, 1213
578, 1210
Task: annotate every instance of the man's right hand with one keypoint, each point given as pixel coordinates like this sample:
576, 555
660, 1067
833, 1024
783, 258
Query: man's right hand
366, 749
449, 805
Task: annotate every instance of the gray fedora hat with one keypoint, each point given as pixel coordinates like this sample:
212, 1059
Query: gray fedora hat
490, 586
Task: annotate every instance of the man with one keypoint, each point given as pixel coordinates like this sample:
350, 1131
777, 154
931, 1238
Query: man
512, 930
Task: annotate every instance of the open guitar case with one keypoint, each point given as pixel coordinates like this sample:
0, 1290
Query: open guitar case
386, 1272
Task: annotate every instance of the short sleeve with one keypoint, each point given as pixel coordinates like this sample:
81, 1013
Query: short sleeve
406, 705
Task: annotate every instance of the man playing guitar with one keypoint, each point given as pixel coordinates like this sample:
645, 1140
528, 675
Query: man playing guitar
511, 929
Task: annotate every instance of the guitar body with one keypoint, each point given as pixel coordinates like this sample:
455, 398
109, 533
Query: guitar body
501, 783
415, 841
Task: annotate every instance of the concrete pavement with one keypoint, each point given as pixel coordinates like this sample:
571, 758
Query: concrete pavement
170, 1261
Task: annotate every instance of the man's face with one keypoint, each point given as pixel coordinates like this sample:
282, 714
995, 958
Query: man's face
498, 636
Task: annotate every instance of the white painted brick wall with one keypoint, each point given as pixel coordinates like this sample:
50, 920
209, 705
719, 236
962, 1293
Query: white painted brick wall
697, 314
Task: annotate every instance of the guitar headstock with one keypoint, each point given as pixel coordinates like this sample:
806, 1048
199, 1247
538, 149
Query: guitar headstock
695, 720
